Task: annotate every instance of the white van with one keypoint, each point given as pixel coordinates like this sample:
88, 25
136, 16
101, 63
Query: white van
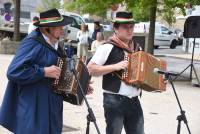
74, 26
163, 36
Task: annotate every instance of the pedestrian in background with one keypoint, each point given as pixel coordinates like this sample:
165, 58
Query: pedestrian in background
99, 41
83, 42
31, 26
97, 28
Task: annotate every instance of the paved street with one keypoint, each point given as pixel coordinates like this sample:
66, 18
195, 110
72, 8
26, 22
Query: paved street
163, 50
160, 109
177, 64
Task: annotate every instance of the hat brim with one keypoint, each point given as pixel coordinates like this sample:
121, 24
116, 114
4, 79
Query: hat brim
65, 21
123, 21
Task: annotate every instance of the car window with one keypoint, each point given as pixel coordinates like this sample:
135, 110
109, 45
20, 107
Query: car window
164, 30
73, 22
78, 20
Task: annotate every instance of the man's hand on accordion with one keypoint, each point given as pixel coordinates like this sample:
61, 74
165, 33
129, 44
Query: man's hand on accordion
52, 72
122, 65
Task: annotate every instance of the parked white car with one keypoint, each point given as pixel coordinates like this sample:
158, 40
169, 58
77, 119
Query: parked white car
163, 36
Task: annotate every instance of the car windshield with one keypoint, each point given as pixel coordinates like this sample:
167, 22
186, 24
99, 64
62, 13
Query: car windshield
78, 19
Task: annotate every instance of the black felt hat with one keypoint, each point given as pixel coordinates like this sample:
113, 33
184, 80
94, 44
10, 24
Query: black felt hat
123, 18
52, 18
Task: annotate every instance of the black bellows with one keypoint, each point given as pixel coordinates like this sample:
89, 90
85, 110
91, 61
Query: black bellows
192, 27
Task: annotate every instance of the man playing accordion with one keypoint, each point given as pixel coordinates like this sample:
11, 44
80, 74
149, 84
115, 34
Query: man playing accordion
121, 104
30, 106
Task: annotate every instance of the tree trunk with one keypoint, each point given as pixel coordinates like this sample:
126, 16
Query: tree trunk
150, 47
17, 20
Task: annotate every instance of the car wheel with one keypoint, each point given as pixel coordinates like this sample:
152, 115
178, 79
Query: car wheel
156, 47
180, 42
174, 44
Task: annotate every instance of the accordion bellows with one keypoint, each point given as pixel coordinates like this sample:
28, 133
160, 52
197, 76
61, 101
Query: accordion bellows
67, 86
141, 73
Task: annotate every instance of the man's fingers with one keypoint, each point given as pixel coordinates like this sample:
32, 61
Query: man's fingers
57, 68
90, 90
165, 81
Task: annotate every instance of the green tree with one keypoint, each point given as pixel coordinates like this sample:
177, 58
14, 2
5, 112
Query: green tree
95, 7
140, 12
143, 10
169, 16
170, 6
49, 4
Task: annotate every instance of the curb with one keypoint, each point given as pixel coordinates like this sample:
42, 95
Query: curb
177, 57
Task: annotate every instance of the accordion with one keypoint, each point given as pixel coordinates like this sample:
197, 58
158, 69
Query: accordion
140, 71
67, 85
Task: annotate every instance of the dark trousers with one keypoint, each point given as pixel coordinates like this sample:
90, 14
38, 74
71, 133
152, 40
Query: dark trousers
122, 111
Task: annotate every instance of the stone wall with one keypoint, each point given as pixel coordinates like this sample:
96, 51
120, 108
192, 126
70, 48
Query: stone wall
8, 47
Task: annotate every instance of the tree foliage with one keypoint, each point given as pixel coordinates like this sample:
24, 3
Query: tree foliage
48, 4
143, 10
170, 6
140, 8
94, 7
